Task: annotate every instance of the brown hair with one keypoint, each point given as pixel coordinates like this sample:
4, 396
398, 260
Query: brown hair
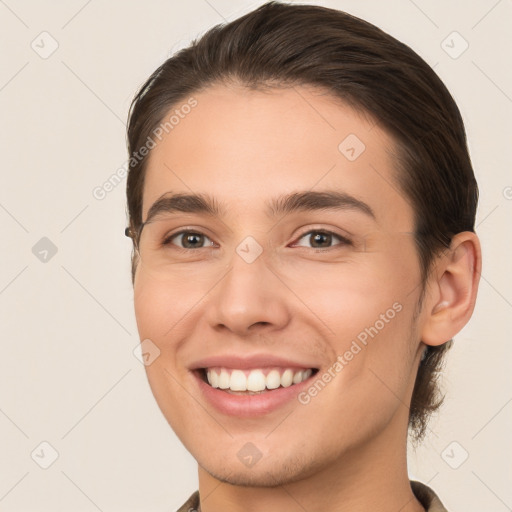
286, 45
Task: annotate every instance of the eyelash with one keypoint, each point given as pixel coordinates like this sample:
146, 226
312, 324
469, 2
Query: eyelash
344, 240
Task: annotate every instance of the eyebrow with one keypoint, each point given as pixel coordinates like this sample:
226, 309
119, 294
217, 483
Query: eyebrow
304, 201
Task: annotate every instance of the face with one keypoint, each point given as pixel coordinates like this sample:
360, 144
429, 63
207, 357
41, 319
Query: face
315, 303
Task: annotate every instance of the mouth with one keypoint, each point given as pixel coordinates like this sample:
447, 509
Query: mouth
254, 381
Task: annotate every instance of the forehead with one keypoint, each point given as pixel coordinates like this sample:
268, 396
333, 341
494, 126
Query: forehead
244, 146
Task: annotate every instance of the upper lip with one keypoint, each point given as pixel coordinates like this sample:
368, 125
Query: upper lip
249, 362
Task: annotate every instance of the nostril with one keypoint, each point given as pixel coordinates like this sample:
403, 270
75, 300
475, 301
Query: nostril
259, 323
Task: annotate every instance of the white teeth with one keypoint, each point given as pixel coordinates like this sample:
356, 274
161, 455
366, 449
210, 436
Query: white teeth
287, 378
214, 379
238, 381
223, 379
273, 379
255, 380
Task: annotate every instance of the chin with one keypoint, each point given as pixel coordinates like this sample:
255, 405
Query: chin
270, 474
249, 479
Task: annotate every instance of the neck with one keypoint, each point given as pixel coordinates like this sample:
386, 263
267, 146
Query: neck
372, 476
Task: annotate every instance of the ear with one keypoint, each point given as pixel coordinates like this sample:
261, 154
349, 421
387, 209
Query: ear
452, 286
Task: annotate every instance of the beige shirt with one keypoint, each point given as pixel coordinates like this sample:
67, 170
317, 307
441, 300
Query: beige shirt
426, 496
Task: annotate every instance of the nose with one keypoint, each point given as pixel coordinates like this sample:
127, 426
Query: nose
249, 298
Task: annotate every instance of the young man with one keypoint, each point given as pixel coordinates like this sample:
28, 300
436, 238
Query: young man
302, 206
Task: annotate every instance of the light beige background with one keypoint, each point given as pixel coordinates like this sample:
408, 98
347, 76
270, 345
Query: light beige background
68, 373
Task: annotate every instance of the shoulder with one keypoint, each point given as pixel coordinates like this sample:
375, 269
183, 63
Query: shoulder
191, 505
427, 497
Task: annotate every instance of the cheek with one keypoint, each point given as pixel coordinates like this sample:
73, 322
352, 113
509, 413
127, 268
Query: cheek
347, 298
161, 308
365, 310
158, 311
150, 310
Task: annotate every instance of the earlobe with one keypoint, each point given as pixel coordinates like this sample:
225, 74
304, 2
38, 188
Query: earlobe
453, 286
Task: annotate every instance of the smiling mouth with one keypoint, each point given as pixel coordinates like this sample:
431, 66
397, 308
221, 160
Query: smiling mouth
255, 381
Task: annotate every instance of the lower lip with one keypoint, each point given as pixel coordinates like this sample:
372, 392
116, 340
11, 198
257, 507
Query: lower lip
246, 406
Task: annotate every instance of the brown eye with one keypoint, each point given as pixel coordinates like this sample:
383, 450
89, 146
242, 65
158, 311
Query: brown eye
321, 239
189, 240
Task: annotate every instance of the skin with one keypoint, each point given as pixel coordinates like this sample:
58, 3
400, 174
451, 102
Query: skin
346, 449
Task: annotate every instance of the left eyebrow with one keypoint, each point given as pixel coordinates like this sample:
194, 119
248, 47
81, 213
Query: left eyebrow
317, 200
297, 201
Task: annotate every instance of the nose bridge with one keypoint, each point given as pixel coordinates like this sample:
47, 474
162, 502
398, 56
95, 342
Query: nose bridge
249, 293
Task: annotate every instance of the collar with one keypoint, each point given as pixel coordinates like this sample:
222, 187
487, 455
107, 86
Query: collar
426, 496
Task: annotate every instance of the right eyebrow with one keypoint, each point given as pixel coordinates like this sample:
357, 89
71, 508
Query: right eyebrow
185, 203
